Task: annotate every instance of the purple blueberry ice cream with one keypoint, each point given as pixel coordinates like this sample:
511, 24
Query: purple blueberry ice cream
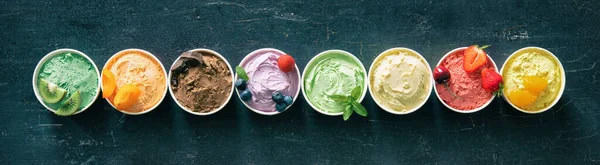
266, 78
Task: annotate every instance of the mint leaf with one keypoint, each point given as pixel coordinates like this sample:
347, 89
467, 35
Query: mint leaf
339, 98
356, 93
347, 112
350, 102
241, 73
358, 108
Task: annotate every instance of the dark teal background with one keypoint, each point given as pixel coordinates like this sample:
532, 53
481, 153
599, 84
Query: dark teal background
499, 134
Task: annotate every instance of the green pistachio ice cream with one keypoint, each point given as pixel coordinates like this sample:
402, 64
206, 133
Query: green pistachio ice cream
71, 72
332, 73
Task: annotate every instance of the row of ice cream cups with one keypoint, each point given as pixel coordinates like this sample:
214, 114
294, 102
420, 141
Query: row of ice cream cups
201, 81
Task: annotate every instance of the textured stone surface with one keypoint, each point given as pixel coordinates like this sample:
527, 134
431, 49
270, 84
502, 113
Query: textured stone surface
499, 134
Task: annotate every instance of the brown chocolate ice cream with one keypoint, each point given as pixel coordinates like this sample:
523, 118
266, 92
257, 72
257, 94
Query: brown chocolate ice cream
201, 81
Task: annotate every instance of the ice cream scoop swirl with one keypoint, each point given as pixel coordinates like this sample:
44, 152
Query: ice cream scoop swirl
400, 81
266, 78
332, 76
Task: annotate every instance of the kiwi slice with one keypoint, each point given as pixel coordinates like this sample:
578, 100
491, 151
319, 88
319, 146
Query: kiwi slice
50, 92
70, 106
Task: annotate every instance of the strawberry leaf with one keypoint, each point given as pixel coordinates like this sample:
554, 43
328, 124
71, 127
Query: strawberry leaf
498, 93
484, 46
241, 73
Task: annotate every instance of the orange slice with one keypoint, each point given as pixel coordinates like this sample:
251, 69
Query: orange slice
534, 84
521, 98
126, 96
109, 83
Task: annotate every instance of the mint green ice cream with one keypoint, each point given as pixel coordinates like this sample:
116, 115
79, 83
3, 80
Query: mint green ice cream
332, 73
71, 72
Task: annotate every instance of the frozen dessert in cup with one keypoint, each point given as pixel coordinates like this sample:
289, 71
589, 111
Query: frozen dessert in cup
66, 82
463, 77
267, 81
535, 80
201, 81
400, 80
134, 81
333, 73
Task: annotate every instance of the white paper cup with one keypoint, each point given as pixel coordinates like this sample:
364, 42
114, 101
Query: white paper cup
202, 113
562, 78
379, 102
454, 109
162, 93
46, 58
310, 63
293, 98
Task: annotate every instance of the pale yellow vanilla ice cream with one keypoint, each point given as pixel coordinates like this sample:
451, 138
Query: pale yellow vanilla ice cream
400, 80
140, 69
533, 62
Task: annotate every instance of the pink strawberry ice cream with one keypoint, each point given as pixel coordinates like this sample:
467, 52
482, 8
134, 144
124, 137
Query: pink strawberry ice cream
266, 78
465, 85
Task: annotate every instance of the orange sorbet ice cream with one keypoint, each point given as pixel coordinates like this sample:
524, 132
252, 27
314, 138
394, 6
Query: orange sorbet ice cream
140, 69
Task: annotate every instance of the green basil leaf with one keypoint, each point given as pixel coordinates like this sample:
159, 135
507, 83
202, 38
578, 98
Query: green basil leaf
339, 98
347, 112
356, 93
241, 73
358, 108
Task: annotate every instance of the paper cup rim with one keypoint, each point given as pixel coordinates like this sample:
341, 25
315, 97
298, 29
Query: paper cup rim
230, 91
312, 60
562, 86
164, 94
55, 53
452, 108
259, 111
379, 103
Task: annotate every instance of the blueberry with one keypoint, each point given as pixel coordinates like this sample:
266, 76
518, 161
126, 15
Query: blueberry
280, 107
240, 84
246, 95
277, 97
288, 100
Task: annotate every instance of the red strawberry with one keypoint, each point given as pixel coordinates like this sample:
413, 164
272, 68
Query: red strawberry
491, 81
475, 58
286, 63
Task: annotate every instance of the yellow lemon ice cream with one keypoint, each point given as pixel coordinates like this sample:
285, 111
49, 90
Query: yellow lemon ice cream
400, 80
141, 69
532, 79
